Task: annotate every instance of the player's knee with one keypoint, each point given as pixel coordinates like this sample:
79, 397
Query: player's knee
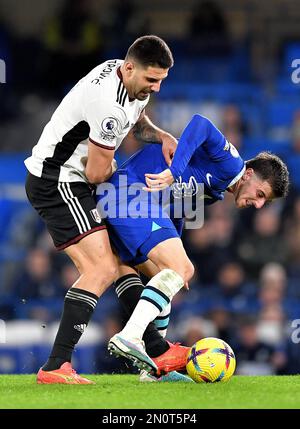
185, 270
102, 272
113, 272
188, 270
108, 273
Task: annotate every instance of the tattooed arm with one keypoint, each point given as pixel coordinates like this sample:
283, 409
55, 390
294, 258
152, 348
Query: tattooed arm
144, 130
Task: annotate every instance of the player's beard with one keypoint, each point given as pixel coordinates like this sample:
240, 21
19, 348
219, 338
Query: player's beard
142, 97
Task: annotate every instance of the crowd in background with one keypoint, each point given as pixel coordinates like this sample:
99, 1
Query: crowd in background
246, 288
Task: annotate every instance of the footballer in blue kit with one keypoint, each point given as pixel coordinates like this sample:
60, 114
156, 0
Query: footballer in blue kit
203, 156
145, 228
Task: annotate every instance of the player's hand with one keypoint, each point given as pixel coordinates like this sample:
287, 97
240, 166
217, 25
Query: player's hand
114, 166
158, 182
169, 146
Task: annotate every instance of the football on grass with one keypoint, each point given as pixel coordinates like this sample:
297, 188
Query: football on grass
210, 360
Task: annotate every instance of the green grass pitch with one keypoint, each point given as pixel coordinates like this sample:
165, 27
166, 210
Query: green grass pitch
125, 391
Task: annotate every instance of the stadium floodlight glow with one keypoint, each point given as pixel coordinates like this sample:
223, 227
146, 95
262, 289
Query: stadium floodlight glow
2, 71
296, 73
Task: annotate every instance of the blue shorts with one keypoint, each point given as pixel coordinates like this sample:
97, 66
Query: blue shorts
134, 240
133, 236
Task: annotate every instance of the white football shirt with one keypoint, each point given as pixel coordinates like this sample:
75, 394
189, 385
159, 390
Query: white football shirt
97, 109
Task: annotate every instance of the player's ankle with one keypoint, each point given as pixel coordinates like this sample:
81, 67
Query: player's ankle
131, 331
156, 349
53, 363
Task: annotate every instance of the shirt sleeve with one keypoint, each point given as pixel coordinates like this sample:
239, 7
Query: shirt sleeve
200, 131
106, 121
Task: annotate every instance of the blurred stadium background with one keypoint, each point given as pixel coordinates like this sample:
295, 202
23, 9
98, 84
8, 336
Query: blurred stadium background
233, 63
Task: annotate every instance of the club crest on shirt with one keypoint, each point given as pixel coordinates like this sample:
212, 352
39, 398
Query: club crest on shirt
111, 128
233, 151
229, 146
182, 189
95, 215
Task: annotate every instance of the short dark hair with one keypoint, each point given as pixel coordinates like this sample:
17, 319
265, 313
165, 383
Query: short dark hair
151, 51
271, 168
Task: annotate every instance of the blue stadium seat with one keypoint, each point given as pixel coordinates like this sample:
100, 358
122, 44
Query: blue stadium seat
17, 360
84, 359
28, 359
223, 92
280, 111
12, 168
53, 306
252, 146
233, 68
252, 114
293, 162
285, 86
291, 52
12, 211
41, 354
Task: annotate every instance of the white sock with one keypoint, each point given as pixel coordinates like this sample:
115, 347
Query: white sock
156, 296
162, 320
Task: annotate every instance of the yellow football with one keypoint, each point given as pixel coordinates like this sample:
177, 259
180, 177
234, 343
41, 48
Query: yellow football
210, 360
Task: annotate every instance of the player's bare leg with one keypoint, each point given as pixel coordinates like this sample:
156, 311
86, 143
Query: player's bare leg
129, 288
176, 270
173, 359
168, 357
97, 267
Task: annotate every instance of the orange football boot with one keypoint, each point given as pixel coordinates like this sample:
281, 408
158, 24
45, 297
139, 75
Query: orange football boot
64, 375
174, 359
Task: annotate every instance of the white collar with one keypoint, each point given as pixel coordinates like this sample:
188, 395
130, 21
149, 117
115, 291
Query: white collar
237, 177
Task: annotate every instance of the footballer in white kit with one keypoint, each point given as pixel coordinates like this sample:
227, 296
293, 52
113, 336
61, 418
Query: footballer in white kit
97, 109
75, 152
